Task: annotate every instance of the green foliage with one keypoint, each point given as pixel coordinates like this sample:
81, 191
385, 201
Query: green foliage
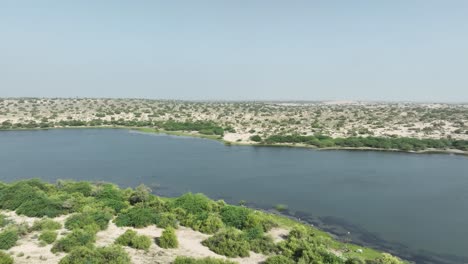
99, 218
131, 239
18, 193
111, 196
168, 239
211, 224
256, 138
48, 236
164, 220
8, 238
140, 194
41, 206
76, 238
5, 258
4, 220
187, 260
194, 203
355, 260
387, 259
84, 188
235, 216
204, 127
279, 260
46, 224
137, 217
83, 255
230, 242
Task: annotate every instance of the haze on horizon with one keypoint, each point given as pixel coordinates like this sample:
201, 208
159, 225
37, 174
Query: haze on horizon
236, 50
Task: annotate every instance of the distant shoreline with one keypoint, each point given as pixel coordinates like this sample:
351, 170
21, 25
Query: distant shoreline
230, 143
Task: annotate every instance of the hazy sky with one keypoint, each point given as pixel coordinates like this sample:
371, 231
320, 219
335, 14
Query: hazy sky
240, 49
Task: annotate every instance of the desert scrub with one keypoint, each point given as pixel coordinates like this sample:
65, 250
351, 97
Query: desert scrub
137, 217
48, 236
98, 218
4, 220
8, 238
279, 260
235, 216
46, 224
76, 238
164, 220
209, 260
5, 258
131, 239
168, 239
84, 255
229, 242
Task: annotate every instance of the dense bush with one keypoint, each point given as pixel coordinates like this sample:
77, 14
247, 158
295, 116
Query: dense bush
85, 188
211, 224
8, 238
235, 216
137, 217
46, 224
229, 242
76, 238
13, 196
83, 255
187, 260
4, 220
99, 218
355, 260
111, 196
131, 239
48, 236
279, 260
168, 239
204, 127
193, 203
164, 220
387, 259
5, 258
41, 206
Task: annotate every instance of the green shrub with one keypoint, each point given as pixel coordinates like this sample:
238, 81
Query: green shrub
131, 239
4, 220
99, 218
137, 217
193, 203
279, 260
229, 242
110, 254
48, 236
211, 224
387, 259
188, 260
85, 188
168, 239
5, 258
41, 206
264, 244
76, 238
13, 196
111, 196
8, 238
46, 224
235, 216
164, 220
355, 260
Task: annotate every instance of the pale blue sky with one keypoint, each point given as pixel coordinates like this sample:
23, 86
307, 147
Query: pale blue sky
413, 50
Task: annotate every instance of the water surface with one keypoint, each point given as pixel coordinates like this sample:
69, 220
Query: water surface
420, 201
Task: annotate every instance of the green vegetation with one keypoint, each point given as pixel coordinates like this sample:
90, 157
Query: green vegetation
85, 255
236, 230
7, 259
8, 238
187, 260
405, 144
48, 236
131, 239
168, 239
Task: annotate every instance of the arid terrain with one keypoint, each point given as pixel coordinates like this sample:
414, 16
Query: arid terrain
335, 119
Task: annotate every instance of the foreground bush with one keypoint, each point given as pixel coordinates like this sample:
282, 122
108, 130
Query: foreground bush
48, 236
279, 260
137, 217
84, 255
5, 258
98, 218
4, 220
42, 206
168, 239
187, 260
229, 242
8, 238
77, 238
387, 259
235, 216
131, 239
46, 224
194, 203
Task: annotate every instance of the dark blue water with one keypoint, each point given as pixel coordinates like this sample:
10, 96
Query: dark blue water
418, 200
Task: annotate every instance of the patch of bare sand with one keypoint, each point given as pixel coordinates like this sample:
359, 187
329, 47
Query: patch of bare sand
278, 234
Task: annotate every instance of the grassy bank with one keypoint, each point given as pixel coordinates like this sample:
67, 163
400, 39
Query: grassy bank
232, 231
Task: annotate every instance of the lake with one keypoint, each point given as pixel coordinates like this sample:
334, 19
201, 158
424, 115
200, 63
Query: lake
405, 202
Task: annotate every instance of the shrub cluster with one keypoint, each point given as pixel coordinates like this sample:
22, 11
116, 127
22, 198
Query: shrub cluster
208, 260
131, 239
99, 218
168, 239
48, 236
46, 224
230, 242
5, 258
77, 238
84, 255
8, 238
